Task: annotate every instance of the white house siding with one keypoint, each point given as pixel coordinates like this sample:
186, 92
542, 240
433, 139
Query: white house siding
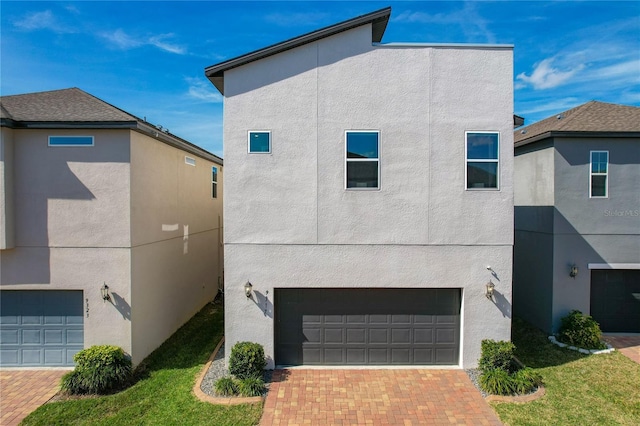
290, 222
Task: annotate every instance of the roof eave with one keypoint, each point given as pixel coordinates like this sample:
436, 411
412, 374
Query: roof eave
378, 20
575, 134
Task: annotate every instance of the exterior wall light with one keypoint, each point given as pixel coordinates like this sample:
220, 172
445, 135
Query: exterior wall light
489, 289
573, 272
104, 290
247, 289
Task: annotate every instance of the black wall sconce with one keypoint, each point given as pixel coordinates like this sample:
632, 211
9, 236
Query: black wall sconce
573, 273
489, 290
104, 290
247, 289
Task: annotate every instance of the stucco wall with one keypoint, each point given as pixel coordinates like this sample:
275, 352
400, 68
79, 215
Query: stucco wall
7, 230
289, 220
177, 247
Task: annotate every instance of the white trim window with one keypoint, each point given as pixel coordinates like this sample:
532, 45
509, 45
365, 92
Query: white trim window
482, 160
362, 159
599, 175
214, 182
70, 140
259, 142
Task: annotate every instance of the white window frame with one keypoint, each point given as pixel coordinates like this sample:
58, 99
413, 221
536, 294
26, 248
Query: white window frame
467, 160
592, 174
249, 141
55, 145
190, 161
349, 160
214, 182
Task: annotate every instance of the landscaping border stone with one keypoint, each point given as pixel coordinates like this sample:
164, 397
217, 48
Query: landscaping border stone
609, 349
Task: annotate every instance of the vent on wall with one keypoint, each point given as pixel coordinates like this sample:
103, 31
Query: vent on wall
190, 161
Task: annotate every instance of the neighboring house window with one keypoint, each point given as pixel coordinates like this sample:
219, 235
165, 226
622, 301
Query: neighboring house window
362, 159
190, 161
598, 185
259, 142
214, 182
70, 140
482, 160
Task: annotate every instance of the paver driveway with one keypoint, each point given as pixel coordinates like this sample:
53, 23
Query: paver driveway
375, 397
22, 391
627, 344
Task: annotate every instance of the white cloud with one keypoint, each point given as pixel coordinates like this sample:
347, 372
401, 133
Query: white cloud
203, 90
124, 41
556, 105
545, 76
45, 20
158, 41
121, 39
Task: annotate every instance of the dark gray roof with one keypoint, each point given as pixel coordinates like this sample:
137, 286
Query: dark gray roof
593, 118
75, 108
377, 19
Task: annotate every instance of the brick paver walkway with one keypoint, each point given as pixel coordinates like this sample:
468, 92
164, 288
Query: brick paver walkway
375, 397
22, 391
628, 345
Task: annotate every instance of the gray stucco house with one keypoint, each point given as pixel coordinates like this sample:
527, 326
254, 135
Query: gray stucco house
91, 196
577, 217
369, 197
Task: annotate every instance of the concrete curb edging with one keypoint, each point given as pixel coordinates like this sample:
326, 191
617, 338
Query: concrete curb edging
518, 399
609, 349
232, 400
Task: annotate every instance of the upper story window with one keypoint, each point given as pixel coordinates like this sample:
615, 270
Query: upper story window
259, 142
362, 159
214, 182
190, 161
598, 179
482, 160
70, 140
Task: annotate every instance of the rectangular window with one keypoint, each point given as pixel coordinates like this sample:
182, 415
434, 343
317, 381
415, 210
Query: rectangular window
214, 182
362, 159
70, 140
482, 160
190, 161
259, 142
598, 185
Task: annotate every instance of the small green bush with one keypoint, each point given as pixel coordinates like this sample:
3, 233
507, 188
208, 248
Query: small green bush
99, 370
497, 381
526, 380
497, 355
226, 386
252, 386
580, 330
247, 360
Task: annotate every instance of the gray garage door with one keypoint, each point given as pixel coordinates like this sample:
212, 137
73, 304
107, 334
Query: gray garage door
615, 300
40, 328
367, 326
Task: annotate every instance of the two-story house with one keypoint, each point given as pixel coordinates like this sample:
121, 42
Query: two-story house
110, 229
369, 206
577, 217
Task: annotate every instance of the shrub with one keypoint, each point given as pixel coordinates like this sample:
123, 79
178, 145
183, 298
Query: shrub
226, 386
580, 330
526, 380
99, 369
253, 386
497, 381
497, 355
247, 360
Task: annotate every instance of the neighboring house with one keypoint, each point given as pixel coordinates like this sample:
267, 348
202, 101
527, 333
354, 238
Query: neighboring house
577, 217
92, 196
369, 189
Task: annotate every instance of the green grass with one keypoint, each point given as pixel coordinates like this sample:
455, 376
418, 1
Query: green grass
580, 389
164, 395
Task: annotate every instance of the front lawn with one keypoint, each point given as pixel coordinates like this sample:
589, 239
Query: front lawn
164, 396
580, 389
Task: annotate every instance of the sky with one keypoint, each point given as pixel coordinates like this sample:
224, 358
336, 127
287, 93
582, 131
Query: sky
148, 57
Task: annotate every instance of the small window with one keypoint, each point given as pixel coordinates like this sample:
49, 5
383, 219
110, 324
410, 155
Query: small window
70, 140
214, 182
260, 142
482, 160
190, 161
362, 159
599, 185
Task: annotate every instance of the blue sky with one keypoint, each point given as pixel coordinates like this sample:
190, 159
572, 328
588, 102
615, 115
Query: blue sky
148, 57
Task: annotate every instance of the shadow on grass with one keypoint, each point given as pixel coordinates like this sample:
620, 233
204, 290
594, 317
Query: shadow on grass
534, 349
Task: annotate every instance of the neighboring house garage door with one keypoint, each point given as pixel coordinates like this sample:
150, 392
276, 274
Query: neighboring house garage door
367, 326
615, 300
40, 328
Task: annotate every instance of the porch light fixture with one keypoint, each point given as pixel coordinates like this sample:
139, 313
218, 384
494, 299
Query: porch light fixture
489, 289
104, 290
247, 289
573, 272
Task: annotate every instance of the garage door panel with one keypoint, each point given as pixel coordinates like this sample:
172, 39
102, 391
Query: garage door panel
356, 335
378, 356
356, 319
615, 300
333, 356
75, 337
445, 336
9, 337
356, 356
423, 336
424, 319
332, 335
400, 335
445, 356
32, 337
9, 357
53, 337
379, 335
54, 356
